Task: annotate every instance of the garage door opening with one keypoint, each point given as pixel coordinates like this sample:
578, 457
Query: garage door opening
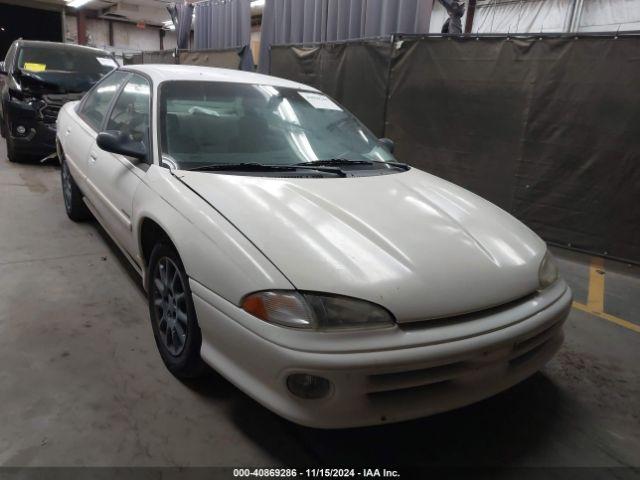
28, 23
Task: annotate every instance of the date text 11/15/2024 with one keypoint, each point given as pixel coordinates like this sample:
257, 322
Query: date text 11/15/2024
316, 472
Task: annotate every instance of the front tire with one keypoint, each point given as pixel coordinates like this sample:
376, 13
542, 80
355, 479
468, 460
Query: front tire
12, 155
173, 316
73, 203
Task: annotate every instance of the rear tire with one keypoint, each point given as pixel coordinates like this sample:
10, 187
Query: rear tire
73, 203
173, 315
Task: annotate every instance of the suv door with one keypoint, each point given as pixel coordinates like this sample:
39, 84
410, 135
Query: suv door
116, 177
5, 80
77, 137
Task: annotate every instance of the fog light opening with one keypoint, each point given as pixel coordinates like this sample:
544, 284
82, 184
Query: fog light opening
308, 386
21, 130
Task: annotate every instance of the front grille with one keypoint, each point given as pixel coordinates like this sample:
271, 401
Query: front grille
51, 105
466, 317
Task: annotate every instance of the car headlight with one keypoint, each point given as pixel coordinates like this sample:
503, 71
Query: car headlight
548, 272
316, 311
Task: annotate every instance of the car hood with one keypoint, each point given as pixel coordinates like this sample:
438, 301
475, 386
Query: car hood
411, 242
57, 82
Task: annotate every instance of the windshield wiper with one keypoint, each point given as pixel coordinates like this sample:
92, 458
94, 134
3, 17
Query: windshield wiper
336, 161
344, 161
261, 167
237, 166
403, 166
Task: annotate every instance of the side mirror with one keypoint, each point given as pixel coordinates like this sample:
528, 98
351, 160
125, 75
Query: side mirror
3, 70
118, 142
387, 143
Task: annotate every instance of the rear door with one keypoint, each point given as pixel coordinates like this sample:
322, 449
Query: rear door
115, 177
78, 136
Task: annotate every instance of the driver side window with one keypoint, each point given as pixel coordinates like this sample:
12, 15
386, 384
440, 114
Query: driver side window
130, 114
98, 100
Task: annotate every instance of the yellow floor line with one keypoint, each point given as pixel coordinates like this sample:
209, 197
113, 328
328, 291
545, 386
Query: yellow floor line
605, 316
595, 299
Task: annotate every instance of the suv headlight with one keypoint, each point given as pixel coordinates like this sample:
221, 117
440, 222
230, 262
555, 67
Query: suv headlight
548, 272
316, 311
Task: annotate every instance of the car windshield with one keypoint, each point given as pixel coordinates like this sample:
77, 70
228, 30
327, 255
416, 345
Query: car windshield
59, 59
205, 123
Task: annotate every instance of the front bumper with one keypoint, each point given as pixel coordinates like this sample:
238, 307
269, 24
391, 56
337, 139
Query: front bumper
426, 368
40, 139
38, 117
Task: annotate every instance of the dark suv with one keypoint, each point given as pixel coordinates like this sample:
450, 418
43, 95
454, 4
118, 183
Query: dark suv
38, 78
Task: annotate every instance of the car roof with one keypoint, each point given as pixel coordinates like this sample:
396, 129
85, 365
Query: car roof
165, 72
58, 45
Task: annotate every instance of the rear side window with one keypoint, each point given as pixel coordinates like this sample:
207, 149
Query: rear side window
97, 102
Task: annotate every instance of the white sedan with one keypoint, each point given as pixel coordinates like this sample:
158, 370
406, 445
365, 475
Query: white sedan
282, 244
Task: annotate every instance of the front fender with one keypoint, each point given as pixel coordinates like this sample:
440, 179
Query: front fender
213, 251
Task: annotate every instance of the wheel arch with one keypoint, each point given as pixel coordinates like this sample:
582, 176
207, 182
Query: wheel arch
150, 233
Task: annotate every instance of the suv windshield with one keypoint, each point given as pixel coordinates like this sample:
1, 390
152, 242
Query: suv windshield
60, 59
205, 123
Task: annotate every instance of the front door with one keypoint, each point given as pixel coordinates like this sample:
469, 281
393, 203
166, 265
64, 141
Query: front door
114, 177
78, 137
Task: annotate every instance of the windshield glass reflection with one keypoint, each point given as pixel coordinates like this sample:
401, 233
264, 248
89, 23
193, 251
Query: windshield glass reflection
205, 123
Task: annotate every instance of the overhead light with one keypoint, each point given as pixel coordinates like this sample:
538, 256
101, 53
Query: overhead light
76, 3
257, 3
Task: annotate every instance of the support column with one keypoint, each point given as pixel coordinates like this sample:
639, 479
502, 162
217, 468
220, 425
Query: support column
111, 33
63, 19
471, 11
81, 19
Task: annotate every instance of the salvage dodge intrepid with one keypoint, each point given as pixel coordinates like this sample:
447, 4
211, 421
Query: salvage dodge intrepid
282, 244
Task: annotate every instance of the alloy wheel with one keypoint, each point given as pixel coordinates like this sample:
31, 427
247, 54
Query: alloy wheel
170, 306
66, 185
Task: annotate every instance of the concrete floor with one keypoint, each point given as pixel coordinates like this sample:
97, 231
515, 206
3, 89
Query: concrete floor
81, 382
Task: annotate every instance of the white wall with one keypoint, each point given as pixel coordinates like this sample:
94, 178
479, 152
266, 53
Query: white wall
523, 16
610, 15
532, 16
127, 37
438, 17
255, 44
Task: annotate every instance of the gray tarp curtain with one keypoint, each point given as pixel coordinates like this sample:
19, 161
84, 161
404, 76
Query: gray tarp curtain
548, 128
221, 24
225, 58
158, 56
356, 73
308, 21
181, 15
